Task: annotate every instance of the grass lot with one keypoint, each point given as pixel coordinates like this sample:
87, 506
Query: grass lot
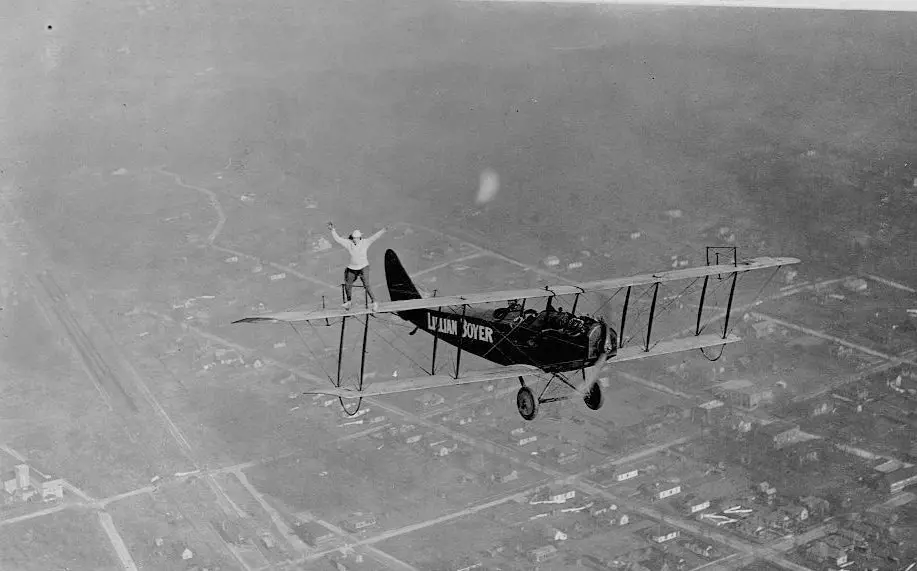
64, 540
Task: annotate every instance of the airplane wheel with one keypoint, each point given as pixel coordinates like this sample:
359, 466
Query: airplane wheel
593, 397
525, 402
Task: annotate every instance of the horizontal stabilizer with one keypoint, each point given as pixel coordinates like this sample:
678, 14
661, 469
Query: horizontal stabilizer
430, 382
635, 352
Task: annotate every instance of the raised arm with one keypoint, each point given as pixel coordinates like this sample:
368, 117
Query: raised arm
376, 236
336, 236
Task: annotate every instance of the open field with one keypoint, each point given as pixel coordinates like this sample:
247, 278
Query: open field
65, 540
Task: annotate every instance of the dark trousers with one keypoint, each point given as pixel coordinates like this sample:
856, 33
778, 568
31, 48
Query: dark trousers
351, 276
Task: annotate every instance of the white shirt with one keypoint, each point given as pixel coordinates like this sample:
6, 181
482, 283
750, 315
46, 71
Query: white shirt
358, 250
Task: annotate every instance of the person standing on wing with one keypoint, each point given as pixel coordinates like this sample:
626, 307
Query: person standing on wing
357, 246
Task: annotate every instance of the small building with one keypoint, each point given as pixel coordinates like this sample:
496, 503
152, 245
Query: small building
778, 434
708, 413
701, 549
626, 475
823, 552
358, 522
820, 407
894, 482
743, 393
567, 454
691, 504
552, 495
766, 493
544, 553
441, 449
620, 519
527, 440
662, 534
23, 480
313, 533
602, 509
505, 475
796, 512
662, 490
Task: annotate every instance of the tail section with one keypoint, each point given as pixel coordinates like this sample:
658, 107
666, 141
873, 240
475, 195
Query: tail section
401, 287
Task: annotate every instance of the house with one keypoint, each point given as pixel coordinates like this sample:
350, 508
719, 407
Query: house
505, 475
567, 454
662, 534
766, 493
358, 522
313, 533
542, 553
796, 512
818, 507
527, 440
602, 509
779, 434
895, 481
440, 449
701, 549
820, 407
743, 393
661, 490
52, 489
552, 495
691, 504
626, 475
823, 552
708, 413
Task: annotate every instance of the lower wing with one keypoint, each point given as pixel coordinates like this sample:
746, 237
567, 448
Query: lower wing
513, 371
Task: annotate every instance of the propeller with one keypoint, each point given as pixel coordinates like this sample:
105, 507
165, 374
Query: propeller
592, 374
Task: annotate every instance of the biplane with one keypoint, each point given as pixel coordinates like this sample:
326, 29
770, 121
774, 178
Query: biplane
523, 342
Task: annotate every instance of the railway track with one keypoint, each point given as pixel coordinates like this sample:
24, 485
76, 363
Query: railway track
55, 301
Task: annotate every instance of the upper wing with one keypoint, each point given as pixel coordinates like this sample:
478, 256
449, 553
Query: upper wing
513, 371
635, 352
497, 296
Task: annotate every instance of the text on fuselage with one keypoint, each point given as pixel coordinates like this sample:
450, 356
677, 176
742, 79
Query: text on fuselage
469, 330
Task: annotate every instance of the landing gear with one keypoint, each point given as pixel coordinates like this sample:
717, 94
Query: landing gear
593, 397
526, 403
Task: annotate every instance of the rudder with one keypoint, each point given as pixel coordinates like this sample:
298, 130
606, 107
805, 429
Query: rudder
400, 285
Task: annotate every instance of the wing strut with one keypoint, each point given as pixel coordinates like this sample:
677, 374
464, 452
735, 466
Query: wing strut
363, 356
700, 308
435, 341
458, 356
623, 318
732, 291
341, 350
649, 326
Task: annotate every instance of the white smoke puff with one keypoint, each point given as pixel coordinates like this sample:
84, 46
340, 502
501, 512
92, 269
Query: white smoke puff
489, 185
